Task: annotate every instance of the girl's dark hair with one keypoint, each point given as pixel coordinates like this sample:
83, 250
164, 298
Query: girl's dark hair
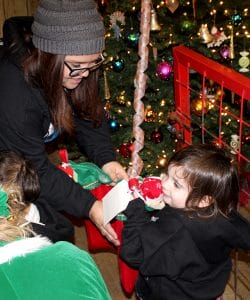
17, 35
209, 172
45, 71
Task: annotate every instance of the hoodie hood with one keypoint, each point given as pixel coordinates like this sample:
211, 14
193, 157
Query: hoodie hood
217, 236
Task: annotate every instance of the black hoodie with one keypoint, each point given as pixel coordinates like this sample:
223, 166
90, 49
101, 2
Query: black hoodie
24, 124
181, 257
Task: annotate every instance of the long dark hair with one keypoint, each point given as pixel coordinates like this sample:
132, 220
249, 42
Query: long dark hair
45, 71
209, 172
17, 35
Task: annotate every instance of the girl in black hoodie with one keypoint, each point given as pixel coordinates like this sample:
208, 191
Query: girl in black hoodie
183, 251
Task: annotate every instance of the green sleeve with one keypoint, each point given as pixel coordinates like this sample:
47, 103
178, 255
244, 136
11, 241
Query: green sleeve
58, 271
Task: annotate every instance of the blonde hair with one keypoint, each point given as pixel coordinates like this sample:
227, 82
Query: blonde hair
20, 181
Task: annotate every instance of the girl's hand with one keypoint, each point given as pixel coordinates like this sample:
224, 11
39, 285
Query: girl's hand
115, 171
96, 216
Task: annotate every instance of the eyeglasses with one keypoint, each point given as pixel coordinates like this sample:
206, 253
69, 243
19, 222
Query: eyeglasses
74, 72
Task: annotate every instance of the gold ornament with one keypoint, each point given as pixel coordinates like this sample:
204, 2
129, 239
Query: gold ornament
172, 5
219, 94
154, 25
163, 102
149, 114
205, 36
121, 99
200, 106
162, 161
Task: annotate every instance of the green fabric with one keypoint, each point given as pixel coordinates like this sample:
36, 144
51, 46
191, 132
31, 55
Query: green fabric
89, 175
3, 243
59, 271
4, 210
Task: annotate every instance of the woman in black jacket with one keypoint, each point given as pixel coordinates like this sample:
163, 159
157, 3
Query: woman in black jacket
182, 252
50, 87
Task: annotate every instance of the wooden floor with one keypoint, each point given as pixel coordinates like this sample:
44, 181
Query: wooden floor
107, 262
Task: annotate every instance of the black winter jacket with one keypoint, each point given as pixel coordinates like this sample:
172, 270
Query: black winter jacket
25, 121
180, 257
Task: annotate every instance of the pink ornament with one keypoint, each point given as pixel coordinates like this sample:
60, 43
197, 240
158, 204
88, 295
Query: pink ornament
224, 52
164, 70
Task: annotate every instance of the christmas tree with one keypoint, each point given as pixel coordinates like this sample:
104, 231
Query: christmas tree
218, 30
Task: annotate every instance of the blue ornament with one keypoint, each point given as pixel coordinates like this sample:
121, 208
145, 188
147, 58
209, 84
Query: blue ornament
171, 129
236, 19
118, 65
113, 125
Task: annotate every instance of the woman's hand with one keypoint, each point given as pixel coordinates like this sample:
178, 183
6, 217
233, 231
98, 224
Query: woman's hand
115, 171
96, 216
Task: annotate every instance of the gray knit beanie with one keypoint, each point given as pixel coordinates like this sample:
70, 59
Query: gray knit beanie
69, 27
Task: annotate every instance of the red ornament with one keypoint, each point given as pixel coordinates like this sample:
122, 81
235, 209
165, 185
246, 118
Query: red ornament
164, 70
125, 150
157, 136
133, 184
130, 147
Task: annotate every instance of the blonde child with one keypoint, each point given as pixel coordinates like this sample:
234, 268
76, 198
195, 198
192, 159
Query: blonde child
31, 266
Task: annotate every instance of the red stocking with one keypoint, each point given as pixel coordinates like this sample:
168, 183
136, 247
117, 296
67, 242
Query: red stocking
97, 242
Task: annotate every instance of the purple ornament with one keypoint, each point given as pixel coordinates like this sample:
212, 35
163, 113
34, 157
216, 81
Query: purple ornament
224, 52
164, 70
